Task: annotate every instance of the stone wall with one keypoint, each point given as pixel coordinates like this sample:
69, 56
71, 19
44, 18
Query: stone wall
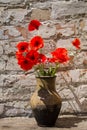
65, 20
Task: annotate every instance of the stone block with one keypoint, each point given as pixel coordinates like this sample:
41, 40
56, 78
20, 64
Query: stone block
45, 31
81, 91
14, 112
2, 64
18, 112
11, 1
1, 50
84, 104
66, 94
70, 107
13, 16
12, 64
68, 9
17, 87
18, 104
73, 77
42, 14
1, 109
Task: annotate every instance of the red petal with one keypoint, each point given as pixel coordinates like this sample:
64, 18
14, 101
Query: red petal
25, 64
36, 43
76, 43
33, 56
61, 55
34, 24
42, 58
22, 46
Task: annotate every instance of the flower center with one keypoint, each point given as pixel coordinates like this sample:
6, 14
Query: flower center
32, 57
25, 62
22, 48
36, 43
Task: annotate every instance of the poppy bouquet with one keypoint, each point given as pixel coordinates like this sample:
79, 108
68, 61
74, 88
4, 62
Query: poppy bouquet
29, 54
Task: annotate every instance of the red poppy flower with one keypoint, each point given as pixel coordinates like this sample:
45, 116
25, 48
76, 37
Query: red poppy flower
22, 46
51, 60
25, 63
42, 58
33, 56
36, 43
34, 24
19, 55
60, 55
76, 43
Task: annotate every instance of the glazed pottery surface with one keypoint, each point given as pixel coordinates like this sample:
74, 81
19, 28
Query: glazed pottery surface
45, 102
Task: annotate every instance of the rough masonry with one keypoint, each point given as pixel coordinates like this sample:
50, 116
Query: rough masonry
63, 20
